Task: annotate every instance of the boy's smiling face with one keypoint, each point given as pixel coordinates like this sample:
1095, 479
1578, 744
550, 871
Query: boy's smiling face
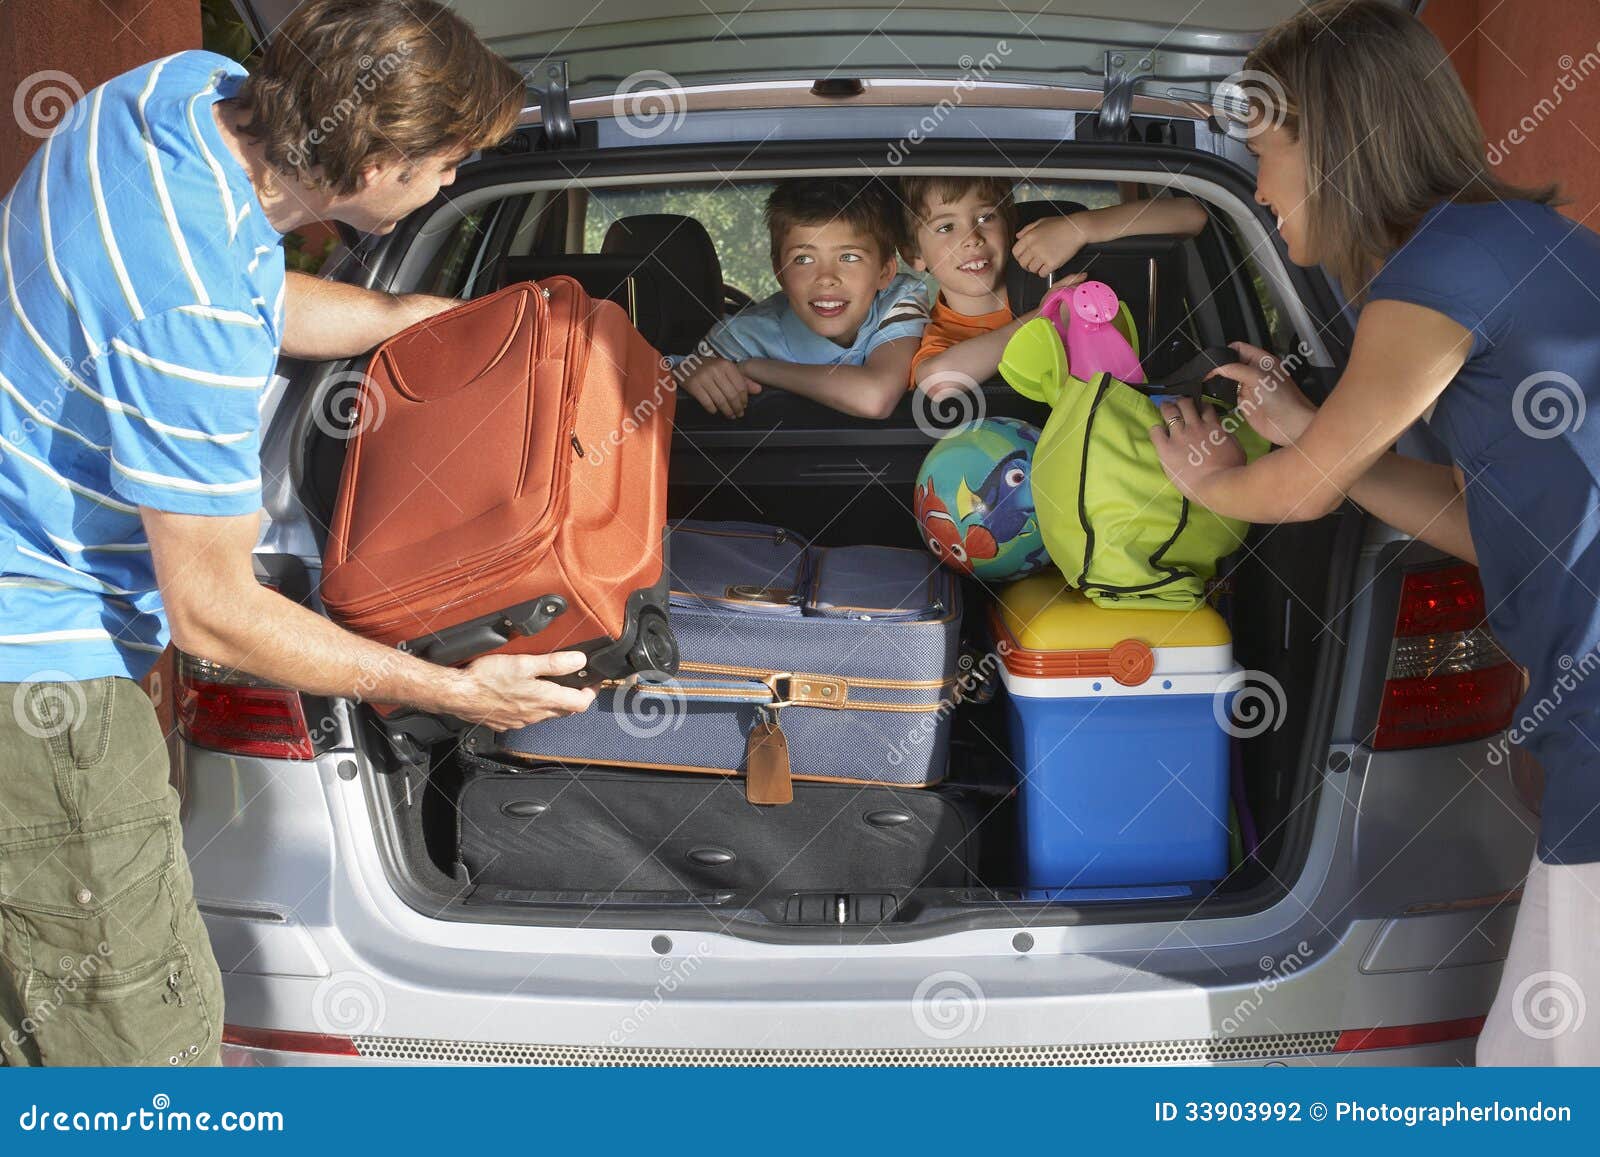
963, 244
831, 273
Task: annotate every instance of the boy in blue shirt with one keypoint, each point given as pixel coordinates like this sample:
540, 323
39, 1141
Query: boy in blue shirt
844, 326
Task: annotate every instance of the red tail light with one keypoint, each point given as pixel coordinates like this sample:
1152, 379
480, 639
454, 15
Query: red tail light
1355, 1040
1448, 680
232, 712
287, 1041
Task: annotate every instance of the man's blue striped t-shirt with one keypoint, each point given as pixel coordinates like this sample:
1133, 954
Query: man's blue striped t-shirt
143, 306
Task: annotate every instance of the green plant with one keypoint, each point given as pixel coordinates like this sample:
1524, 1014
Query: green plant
224, 32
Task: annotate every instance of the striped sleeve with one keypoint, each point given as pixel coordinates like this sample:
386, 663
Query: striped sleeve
905, 313
183, 390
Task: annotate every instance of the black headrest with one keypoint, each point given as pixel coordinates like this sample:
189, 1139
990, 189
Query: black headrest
1025, 289
682, 247
636, 283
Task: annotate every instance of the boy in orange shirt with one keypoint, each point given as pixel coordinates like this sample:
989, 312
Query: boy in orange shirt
959, 229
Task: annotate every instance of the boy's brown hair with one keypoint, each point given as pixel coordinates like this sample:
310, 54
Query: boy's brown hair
345, 83
919, 196
863, 202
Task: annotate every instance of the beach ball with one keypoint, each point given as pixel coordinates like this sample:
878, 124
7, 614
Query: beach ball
974, 501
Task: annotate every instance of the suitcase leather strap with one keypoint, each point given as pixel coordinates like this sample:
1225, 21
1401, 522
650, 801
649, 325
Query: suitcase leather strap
776, 689
768, 777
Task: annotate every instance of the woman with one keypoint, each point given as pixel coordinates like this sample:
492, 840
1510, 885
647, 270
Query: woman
1478, 313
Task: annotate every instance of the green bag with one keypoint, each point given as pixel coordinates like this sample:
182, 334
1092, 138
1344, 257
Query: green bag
1112, 520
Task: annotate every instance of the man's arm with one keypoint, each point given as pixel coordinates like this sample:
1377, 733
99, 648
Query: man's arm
871, 390
327, 319
217, 610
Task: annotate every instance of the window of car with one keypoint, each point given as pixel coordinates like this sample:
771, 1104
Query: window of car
733, 214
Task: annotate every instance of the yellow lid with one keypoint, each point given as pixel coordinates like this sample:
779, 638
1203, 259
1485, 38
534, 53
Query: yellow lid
1044, 614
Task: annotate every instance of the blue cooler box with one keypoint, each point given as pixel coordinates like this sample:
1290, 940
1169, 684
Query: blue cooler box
1117, 729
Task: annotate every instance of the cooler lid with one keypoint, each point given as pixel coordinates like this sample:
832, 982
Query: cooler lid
1042, 613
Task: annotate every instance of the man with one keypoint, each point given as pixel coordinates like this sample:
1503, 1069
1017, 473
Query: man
145, 304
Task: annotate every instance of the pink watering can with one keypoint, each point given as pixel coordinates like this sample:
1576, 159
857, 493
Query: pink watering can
1093, 343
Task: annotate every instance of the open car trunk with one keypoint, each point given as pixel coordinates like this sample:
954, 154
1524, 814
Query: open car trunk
846, 481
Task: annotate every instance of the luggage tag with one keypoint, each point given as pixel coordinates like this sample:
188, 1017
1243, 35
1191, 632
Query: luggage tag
768, 779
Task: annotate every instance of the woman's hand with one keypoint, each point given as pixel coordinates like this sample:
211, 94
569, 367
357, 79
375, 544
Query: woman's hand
1268, 397
1194, 447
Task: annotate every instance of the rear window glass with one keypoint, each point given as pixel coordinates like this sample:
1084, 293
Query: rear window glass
733, 216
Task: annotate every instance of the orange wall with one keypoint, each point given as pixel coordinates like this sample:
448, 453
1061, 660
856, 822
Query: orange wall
90, 41
1511, 54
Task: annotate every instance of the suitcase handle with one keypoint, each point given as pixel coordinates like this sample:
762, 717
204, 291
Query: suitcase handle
486, 633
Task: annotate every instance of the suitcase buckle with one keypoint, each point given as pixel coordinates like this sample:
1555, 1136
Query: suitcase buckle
779, 698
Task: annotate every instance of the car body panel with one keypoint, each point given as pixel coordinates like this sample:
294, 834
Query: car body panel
613, 42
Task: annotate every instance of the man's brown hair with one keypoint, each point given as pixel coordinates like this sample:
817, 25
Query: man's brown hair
865, 203
346, 83
920, 196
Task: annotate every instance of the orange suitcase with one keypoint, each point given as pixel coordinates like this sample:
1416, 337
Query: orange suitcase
505, 488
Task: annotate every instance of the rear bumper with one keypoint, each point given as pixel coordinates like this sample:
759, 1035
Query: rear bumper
1451, 1053
312, 937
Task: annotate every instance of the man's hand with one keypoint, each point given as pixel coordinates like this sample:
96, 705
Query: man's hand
327, 319
508, 691
218, 611
721, 387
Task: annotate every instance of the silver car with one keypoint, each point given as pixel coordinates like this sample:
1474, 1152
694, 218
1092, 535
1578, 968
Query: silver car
1369, 926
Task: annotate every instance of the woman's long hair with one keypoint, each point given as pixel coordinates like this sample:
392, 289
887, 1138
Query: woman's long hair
1387, 129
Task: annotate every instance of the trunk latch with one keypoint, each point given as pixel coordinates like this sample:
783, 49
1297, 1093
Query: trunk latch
841, 908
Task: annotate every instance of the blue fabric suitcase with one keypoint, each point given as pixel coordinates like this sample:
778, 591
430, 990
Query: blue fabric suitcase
796, 662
